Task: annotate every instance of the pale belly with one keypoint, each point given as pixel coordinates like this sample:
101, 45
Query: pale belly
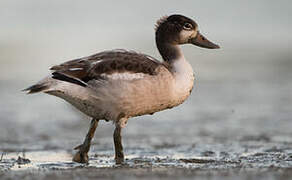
135, 98
143, 96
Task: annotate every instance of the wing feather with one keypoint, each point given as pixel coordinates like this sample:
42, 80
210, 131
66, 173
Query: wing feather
97, 66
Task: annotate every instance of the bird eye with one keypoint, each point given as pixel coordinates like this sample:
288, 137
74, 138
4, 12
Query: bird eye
188, 26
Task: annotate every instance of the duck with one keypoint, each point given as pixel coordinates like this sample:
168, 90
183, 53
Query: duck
117, 85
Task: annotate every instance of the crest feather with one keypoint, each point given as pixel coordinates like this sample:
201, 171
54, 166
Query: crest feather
160, 21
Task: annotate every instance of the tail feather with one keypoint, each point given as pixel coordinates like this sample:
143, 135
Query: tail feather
36, 88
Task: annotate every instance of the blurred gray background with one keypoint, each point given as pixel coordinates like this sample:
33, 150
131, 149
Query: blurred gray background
242, 90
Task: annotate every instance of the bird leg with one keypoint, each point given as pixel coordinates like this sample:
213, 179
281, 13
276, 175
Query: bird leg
81, 156
119, 154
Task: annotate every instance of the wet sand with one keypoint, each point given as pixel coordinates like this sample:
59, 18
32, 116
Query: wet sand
258, 159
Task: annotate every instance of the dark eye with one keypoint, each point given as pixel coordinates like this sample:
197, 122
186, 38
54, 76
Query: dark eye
188, 26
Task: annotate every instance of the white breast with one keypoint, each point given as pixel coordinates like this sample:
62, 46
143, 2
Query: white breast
184, 78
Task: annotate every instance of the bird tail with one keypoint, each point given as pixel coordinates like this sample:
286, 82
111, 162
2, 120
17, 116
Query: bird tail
36, 88
42, 86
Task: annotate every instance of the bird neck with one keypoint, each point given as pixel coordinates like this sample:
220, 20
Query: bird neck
167, 46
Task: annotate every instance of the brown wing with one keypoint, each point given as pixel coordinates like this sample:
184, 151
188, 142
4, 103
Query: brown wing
80, 71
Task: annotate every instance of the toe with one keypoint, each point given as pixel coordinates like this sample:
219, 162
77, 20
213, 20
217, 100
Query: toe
80, 157
119, 161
